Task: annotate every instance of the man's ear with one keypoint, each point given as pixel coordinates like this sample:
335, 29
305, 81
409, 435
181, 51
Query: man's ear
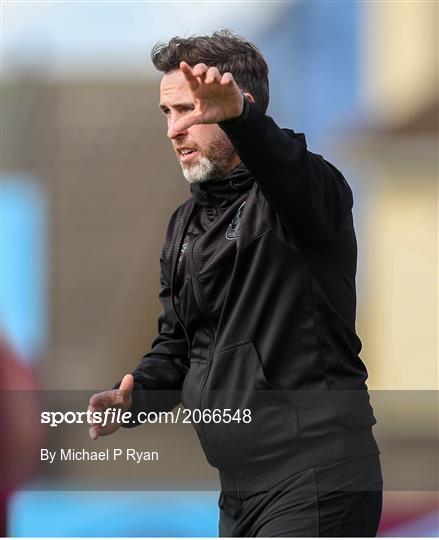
249, 97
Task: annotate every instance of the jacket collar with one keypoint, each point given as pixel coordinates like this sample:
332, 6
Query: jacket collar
224, 190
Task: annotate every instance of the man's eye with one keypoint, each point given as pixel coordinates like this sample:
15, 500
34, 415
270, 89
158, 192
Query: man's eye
184, 110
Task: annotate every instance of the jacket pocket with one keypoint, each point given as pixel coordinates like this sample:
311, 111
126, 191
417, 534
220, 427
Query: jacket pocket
258, 423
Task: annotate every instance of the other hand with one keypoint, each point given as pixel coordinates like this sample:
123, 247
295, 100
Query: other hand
117, 398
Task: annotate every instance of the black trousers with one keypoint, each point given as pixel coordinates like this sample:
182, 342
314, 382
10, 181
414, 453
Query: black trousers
341, 498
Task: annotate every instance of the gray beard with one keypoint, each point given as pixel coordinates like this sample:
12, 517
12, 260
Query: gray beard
202, 171
209, 167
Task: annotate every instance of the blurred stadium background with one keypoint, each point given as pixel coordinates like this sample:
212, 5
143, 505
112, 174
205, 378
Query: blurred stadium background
89, 182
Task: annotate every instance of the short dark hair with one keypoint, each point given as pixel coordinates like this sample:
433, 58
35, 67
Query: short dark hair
224, 50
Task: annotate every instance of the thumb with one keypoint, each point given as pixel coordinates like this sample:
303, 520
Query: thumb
126, 386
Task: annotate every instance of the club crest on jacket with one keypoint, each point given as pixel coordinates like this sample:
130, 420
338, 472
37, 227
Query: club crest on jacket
232, 229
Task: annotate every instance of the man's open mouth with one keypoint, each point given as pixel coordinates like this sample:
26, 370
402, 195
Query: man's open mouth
186, 154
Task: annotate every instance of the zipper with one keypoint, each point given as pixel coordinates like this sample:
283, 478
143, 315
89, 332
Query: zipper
214, 205
197, 292
203, 312
174, 270
200, 305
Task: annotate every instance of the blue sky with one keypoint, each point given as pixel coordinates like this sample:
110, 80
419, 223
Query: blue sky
95, 38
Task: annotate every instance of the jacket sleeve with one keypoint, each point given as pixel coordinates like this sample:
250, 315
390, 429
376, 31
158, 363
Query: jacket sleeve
309, 196
159, 376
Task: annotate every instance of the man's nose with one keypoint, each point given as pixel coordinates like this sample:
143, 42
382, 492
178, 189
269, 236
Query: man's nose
172, 132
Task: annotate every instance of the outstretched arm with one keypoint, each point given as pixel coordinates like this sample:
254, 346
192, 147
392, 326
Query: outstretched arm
308, 194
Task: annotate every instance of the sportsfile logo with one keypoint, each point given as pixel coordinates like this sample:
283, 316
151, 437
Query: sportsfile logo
114, 415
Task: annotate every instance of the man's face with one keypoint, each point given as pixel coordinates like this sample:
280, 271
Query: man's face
203, 150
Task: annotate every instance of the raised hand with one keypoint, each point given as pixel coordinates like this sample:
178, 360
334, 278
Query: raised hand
116, 398
216, 97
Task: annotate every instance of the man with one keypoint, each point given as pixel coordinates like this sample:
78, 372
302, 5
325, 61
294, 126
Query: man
258, 293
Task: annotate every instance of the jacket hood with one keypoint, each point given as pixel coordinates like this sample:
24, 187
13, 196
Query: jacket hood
299, 136
224, 190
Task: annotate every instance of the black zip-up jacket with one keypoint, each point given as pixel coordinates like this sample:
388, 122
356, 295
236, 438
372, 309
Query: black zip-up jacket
258, 293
